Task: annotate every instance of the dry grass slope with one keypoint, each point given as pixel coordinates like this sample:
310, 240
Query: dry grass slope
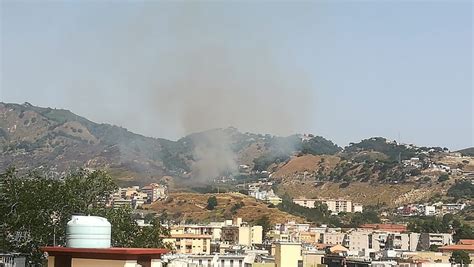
185, 206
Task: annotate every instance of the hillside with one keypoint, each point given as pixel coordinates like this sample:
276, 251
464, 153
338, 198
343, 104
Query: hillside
467, 151
192, 206
371, 171
57, 141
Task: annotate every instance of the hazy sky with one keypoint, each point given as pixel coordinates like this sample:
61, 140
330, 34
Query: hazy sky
345, 70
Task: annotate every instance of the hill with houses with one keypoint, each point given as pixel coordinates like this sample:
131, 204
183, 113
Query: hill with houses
371, 171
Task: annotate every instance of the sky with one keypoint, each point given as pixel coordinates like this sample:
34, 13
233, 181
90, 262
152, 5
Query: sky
346, 70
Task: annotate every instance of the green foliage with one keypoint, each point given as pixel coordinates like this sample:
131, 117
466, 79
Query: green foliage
428, 225
434, 248
462, 189
263, 162
443, 177
464, 231
319, 146
36, 207
236, 207
127, 233
264, 221
359, 218
211, 202
460, 257
318, 214
467, 152
379, 144
280, 149
448, 223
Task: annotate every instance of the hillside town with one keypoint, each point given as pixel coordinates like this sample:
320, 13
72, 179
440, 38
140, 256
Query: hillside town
241, 133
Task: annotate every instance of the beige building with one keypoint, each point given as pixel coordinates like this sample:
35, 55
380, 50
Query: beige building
213, 230
287, 254
242, 235
333, 238
309, 237
189, 243
154, 191
275, 200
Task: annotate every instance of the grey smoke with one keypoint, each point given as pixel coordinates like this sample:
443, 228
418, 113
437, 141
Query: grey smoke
182, 70
213, 156
217, 80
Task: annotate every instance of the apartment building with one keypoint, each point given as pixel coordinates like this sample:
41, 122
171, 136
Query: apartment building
190, 243
154, 191
334, 238
434, 239
243, 235
214, 230
288, 254
334, 205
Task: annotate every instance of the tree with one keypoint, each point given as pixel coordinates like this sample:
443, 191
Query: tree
264, 221
211, 202
369, 216
462, 189
463, 232
460, 257
319, 214
36, 210
443, 177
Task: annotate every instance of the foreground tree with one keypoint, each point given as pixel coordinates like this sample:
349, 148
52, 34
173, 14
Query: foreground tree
460, 257
38, 208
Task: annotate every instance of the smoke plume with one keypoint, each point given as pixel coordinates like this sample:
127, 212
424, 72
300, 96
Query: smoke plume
219, 80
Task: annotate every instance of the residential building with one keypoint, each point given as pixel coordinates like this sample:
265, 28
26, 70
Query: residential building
288, 254
334, 238
154, 191
334, 205
190, 243
434, 239
214, 230
243, 235
452, 207
429, 210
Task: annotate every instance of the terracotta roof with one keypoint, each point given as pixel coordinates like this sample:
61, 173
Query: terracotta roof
385, 227
469, 247
338, 248
466, 241
106, 253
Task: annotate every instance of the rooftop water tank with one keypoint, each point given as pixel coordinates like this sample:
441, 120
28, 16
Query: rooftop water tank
88, 232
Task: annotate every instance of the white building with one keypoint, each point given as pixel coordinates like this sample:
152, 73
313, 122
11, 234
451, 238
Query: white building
334, 205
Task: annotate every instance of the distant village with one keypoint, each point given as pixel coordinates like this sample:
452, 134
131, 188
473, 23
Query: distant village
236, 243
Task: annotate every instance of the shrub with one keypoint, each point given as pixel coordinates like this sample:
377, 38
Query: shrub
443, 177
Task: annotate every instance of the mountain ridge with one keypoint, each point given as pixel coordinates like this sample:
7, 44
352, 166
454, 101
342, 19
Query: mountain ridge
58, 140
